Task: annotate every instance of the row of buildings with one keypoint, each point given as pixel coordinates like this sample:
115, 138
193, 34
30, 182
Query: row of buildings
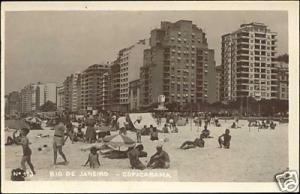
30, 98
176, 62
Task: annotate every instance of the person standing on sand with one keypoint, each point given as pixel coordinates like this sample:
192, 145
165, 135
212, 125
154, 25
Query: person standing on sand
90, 134
58, 140
139, 127
23, 140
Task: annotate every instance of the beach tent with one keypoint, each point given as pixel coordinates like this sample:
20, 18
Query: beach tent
147, 119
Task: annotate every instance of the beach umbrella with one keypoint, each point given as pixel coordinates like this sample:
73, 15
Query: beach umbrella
16, 124
119, 140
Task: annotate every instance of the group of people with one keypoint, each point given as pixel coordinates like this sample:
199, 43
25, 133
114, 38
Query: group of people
160, 159
64, 130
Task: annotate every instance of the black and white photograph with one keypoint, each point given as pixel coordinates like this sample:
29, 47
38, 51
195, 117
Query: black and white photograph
116, 92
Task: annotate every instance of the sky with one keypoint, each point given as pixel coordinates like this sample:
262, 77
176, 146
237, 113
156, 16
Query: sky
47, 46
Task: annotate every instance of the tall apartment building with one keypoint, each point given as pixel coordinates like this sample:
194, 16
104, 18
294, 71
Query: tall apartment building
248, 63
71, 92
91, 87
45, 92
115, 85
60, 98
13, 103
179, 65
104, 91
130, 60
283, 80
218, 82
28, 98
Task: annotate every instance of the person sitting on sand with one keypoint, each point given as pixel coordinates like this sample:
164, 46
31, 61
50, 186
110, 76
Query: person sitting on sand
160, 159
154, 134
12, 140
272, 125
26, 150
224, 139
192, 144
93, 158
165, 129
233, 126
133, 156
206, 132
79, 136
58, 140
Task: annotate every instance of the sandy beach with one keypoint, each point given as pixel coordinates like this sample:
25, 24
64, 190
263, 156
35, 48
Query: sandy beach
254, 156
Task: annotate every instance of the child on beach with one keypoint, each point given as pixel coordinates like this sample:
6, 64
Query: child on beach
26, 150
224, 140
93, 158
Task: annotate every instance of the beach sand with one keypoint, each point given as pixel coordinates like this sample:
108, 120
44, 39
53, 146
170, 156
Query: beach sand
254, 156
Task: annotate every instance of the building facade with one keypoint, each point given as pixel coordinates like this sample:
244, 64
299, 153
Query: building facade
115, 85
178, 65
13, 103
28, 98
218, 82
60, 98
248, 63
134, 95
71, 92
45, 92
283, 80
130, 60
91, 87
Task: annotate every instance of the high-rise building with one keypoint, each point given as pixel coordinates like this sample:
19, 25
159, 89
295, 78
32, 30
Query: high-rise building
283, 80
45, 92
115, 85
91, 87
130, 60
13, 103
248, 63
134, 95
179, 65
60, 98
218, 82
71, 90
28, 98
104, 91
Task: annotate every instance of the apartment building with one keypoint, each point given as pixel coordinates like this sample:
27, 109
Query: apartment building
28, 98
60, 98
178, 65
72, 92
130, 60
91, 87
248, 63
283, 80
13, 103
115, 85
218, 82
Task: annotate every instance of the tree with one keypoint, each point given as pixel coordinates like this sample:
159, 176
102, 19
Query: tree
283, 58
48, 106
